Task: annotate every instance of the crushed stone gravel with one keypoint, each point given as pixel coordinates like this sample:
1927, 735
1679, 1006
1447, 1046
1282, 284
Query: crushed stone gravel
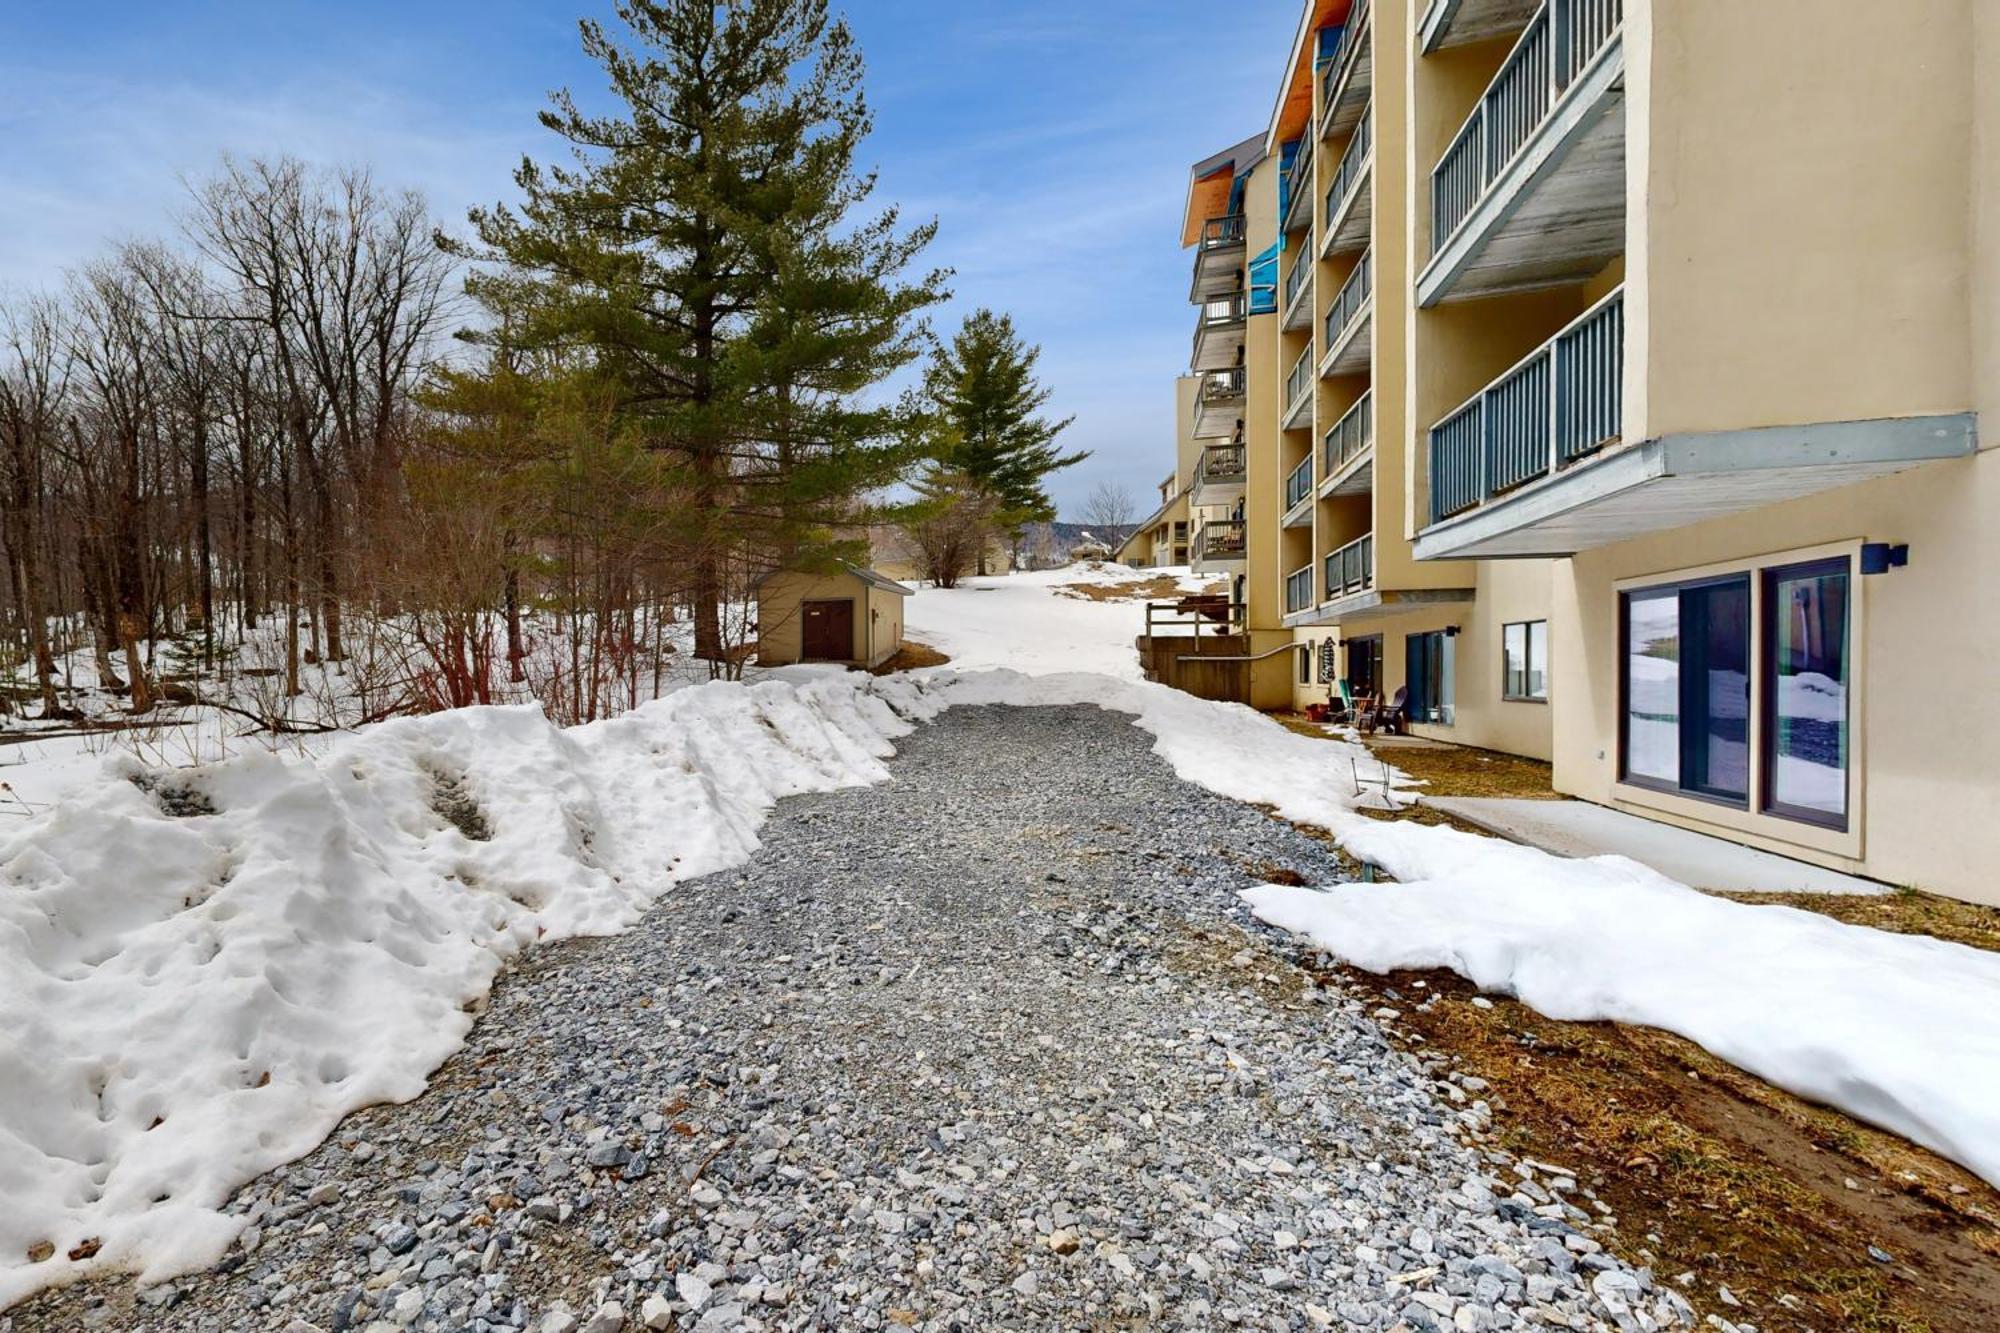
991, 1046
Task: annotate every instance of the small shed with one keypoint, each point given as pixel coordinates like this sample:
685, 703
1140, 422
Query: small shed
852, 615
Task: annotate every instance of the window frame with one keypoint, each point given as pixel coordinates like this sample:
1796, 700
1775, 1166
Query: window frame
1527, 661
1765, 662
1676, 588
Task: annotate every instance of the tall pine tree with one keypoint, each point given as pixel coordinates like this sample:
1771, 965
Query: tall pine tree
704, 244
987, 405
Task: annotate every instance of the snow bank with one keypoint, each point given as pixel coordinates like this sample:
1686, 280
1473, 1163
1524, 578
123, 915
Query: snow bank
1888, 1028
202, 970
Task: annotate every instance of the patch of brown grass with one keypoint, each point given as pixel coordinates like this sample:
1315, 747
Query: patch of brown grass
910, 657
1141, 588
1905, 912
1446, 770
1712, 1172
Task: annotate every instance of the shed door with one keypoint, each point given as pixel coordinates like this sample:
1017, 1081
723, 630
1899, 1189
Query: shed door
829, 631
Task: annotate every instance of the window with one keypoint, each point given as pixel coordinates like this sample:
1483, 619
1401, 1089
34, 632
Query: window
1431, 662
1364, 666
1686, 669
1305, 656
1525, 660
1805, 696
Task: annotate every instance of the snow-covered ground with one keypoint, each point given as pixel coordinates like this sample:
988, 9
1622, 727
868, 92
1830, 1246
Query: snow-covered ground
203, 968
1025, 623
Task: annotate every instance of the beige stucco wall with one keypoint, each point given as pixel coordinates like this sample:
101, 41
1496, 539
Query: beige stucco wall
878, 616
1797, 187
1924, 787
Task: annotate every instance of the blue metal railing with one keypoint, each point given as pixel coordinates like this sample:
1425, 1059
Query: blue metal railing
1295, 281
1298, 484
1351, 568
1335, 73
1299, 590
1562, 38
1352, 296
1299, 383
1559, 403
1348, 173
1348, 438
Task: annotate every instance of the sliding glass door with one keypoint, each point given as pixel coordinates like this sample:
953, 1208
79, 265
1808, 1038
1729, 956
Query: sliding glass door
1806, 692
1687, 688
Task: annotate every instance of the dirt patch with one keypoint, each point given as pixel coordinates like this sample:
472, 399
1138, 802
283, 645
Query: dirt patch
910, 657
1153, 587
1905, 912
1719, 1180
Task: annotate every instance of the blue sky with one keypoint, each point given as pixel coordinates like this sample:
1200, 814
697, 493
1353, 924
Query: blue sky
1050, 138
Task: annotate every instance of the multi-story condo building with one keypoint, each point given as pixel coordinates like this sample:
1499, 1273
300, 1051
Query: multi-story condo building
1606, 374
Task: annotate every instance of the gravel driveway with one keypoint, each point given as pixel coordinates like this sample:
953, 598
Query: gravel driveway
989, 1047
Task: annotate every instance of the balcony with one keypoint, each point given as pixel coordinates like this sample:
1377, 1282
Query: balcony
1349, 216
1347, 457
1349, 322
1298, 292
1299, 188
1531, 192
1219, 476
1534, 464
1299, 393
1218, 333
1299, 590
1219, 257
1559, 403
1218, 404
1447, 23
1298, 495
1220, 547
1350, 570
1348, 78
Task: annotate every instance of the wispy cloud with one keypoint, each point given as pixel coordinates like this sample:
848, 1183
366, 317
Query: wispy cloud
1049, 137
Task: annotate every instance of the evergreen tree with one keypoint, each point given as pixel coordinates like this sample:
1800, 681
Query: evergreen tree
703, 245
987, 401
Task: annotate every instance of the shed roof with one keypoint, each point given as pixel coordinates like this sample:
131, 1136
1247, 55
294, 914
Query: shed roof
873, 578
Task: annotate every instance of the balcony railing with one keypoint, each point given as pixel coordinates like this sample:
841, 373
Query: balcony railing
1349, 171
1222, 386
1220, 539
1222, 463
1295, 281
1298, 183
1216, 233
1223, 312
1559, 403
1299, 383
1335, 71
1348, 438
1298, 484
1353, 295
1558, 42
1351, 568
1299, 590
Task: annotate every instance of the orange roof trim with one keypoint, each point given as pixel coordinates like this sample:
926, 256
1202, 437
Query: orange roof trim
1208, 197
1295, 102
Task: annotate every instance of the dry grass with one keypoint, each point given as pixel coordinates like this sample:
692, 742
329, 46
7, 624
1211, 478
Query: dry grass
1716, 1174
1711, 1171
1905, 912
1445, 770
1141, 588
911, 656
